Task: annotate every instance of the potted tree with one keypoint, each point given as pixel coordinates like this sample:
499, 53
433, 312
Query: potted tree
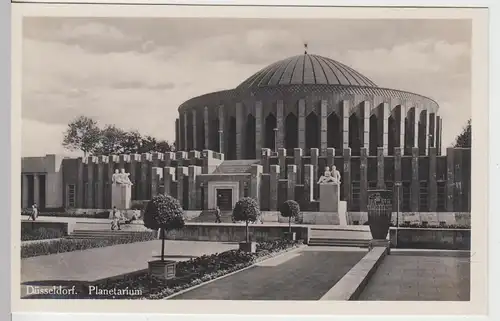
163, 213
290, 209
246, 210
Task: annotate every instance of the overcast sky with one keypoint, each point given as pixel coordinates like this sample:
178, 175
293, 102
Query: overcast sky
136, 72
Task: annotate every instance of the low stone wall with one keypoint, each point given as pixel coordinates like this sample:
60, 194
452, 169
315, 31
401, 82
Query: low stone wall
65, 227
432, 218
75, 212
234, 233
433, 238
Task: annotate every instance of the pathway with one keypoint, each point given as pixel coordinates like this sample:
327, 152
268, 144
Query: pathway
99, 263
420, 276
304, 275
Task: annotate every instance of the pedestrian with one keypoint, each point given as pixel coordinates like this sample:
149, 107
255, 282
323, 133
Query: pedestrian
217, 215
115, 219
34, 212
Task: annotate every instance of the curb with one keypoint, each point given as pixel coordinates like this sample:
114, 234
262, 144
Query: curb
296, 249
350, 286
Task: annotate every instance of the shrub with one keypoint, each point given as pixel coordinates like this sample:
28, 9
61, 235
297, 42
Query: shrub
42, 233
290, 209
69, 245
165, 213
246, 210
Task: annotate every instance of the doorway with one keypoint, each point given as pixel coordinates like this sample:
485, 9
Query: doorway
225, 199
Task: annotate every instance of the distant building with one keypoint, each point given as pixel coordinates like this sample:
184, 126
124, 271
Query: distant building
271, 138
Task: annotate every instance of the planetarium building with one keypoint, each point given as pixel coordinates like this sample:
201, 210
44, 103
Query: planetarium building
271, 138
308, 101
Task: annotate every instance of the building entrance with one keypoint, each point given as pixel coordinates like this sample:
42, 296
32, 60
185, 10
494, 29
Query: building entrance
225, 199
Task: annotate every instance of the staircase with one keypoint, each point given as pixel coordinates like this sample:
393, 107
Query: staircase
235, 166
208, 216
336, 237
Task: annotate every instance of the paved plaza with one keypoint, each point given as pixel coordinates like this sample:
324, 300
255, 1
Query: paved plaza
98, 263
303, 275
421, 276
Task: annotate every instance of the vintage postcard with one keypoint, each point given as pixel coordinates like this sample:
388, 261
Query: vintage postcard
173, 158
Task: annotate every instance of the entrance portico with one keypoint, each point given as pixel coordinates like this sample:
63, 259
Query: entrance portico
223, 194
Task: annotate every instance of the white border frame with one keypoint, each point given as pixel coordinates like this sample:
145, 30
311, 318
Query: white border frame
494, 163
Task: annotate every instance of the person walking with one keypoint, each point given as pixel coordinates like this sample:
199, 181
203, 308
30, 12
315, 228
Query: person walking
115, 219
217, 215
34, 212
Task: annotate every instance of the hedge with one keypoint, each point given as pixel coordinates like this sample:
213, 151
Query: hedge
70, 245
42, 233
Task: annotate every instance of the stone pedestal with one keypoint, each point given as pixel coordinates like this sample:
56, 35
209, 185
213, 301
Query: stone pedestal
329, 197
121, 194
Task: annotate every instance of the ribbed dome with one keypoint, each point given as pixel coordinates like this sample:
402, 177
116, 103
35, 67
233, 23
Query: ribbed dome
304, 70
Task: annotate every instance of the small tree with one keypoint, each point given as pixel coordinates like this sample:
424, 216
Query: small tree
164, 213
246, 210
290, 209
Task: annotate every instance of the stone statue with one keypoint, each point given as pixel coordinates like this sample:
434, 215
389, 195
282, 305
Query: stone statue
121, 178
327, 177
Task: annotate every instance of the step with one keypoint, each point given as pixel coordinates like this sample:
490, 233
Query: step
338, 242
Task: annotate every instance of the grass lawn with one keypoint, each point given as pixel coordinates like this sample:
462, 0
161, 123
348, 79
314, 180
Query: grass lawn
307, 276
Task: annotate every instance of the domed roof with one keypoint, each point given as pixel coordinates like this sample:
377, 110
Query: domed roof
304, 70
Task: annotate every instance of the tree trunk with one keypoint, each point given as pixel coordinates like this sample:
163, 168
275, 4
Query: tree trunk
162, 244
290, 224
246, 232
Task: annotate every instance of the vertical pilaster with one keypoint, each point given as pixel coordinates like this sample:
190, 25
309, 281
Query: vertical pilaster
102, 161
80, 186
221, 130
380, 168
309, 182
297, 160
178, 142
302, 124
156, 179
144, 186
182, 173
134, 158
206, 128
282, 162
346, 180
365, 109
401, 123
113, 161
363, 177
242, 184
314, 163
459, 196
193, 188
280, 123
432, 194
345, 124
440, 135
205, 196
168, 179
25, 192
258, 127
292, 181
36, 188
255, 179
195, 130
385, 128
186, 143
264, 159
323, 127
91, 160
239, 130
168, 157
415, 182
398, 152
415, 126
273, 188
450, 178
427, 132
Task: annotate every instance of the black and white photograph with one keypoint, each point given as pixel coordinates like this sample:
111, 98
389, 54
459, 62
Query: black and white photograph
236, 158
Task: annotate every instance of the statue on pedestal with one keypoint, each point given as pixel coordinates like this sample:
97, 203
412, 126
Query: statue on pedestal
121, 178
330, 177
